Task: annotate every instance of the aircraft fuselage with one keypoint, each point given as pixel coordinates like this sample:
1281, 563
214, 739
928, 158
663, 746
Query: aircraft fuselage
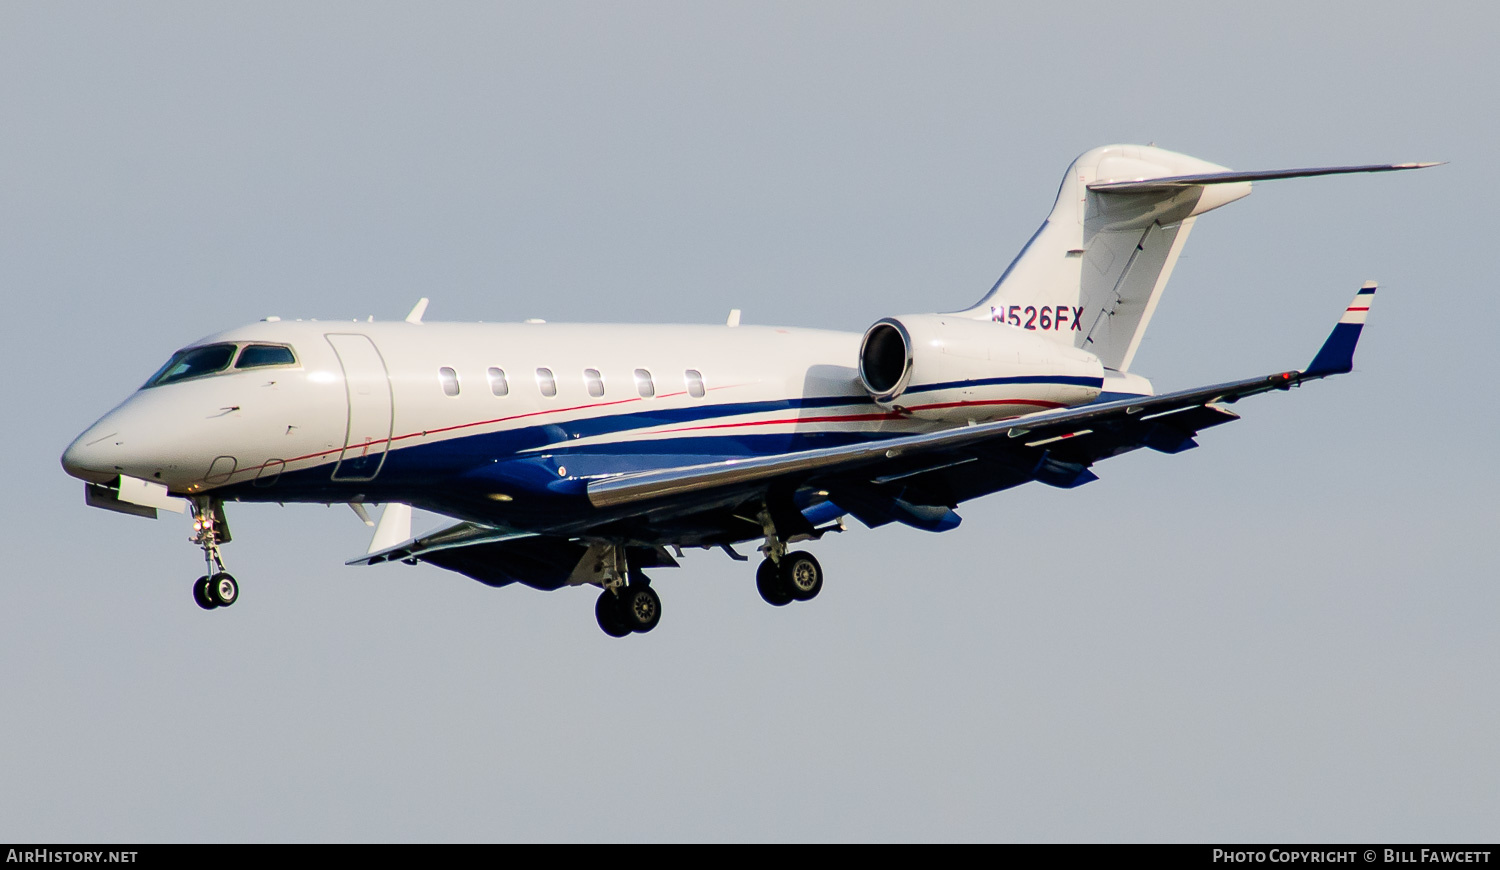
507, 422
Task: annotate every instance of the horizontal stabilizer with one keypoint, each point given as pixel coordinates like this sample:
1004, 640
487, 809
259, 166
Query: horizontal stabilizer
1180, 181
1337, 353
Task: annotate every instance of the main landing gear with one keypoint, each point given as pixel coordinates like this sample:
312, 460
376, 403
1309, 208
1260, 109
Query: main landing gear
622, 608
785, 576
217, 588
798, 577
628, 609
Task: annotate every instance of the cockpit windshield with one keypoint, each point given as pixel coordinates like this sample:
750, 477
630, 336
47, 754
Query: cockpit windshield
192, 363
196, 362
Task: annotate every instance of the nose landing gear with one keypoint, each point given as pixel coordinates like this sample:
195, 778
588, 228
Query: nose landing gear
217, 588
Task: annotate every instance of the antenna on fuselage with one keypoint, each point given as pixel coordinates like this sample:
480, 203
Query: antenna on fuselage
417, 311
734, 317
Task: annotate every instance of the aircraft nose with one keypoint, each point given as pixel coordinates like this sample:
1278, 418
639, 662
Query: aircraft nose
92, 455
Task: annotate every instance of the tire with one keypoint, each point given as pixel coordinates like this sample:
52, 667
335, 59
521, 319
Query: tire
223, 590
771, 585
609, 612
802, 576
640, 607
200, 593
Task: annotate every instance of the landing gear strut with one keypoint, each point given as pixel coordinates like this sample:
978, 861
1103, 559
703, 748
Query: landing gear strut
217, 588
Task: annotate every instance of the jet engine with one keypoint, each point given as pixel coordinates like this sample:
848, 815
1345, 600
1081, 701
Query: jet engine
950, 368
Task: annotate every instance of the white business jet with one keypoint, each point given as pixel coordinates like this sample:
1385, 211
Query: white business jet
571, 455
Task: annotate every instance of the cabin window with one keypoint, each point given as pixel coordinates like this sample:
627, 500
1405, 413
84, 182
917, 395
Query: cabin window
643, 384
258, 355
498, 384
449, 379
546, 382
694, 380
594, 381
192, 363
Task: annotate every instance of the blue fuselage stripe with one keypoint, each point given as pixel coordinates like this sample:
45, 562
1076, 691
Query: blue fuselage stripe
461, 456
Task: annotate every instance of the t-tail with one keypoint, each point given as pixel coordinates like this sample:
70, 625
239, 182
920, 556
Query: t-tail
1092, 274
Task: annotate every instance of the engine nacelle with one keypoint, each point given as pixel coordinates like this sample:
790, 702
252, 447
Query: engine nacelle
950, 368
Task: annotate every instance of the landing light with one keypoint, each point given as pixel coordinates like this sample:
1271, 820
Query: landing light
500, 496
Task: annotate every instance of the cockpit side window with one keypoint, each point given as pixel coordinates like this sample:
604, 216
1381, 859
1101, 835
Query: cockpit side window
193, 362
257, 355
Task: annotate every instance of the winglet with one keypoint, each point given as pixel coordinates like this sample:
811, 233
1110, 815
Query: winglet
1337, 354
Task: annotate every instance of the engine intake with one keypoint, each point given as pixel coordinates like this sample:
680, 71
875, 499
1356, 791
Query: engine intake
885, 359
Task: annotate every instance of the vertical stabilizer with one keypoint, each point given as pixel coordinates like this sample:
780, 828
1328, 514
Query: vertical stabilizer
1092, 274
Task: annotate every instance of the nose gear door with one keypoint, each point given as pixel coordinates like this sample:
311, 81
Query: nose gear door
368, 387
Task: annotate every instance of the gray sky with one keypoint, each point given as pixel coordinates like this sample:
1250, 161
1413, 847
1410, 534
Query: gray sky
1285, 635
